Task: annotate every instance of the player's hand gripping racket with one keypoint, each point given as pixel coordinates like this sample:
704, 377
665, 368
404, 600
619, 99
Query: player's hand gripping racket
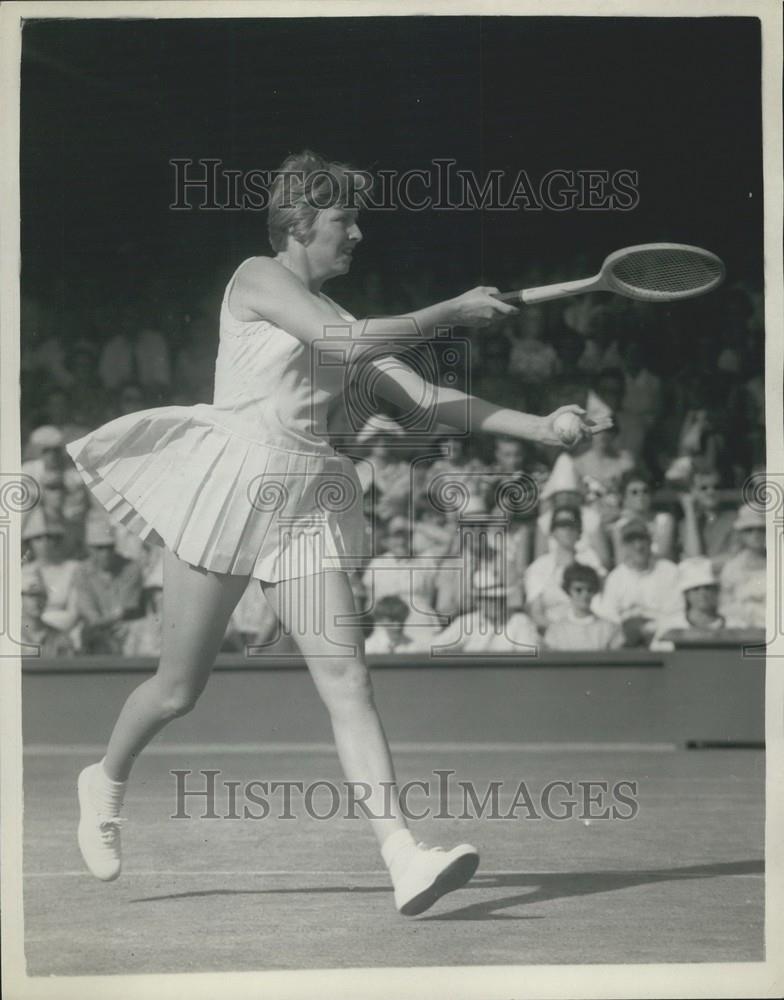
653, 272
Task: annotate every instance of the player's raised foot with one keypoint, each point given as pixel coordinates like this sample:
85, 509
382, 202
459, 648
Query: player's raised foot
428, 873
99, 823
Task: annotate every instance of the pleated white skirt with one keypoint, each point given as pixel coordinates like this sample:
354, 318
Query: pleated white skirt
177, 477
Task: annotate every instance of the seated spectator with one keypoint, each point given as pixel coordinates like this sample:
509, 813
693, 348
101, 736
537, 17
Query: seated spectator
602, 460
43, 540
388, 635
643, 590
46, 453
399, 573
637, 505
641, 404
144, 635
58, 411
35, 631
108, 590
743, 578
455, 458
530, 358
706, 530
92, 400
581, 628
431, 536
564, 489
130, 399
490, 628
493, 381
136, 351
570, 384
547, 598
67, 510
700, 588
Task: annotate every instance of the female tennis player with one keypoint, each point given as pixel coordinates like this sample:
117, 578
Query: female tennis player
241, 488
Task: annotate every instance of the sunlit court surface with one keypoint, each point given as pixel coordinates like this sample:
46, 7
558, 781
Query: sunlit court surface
682, 881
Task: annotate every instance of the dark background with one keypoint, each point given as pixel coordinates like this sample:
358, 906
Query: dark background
107, 103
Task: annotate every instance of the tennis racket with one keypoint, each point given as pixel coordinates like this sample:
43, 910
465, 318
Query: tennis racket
653, 272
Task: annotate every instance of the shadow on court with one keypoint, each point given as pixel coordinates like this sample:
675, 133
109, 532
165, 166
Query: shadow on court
539, 888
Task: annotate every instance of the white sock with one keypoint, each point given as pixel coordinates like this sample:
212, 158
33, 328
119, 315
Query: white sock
107, 795
398, 844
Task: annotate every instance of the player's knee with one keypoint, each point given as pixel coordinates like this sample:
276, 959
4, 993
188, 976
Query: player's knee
179, 699
345, 683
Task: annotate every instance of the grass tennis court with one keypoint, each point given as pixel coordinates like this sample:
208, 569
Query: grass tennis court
681, 882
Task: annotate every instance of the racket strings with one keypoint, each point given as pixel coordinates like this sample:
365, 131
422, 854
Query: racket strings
667, 272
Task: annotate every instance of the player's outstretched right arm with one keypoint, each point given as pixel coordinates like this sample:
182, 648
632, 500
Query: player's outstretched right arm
265, 289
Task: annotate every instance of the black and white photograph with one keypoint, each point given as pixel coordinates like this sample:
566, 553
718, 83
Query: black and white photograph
392, 500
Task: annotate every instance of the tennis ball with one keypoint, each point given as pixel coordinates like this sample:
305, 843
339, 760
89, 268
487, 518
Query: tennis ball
569, 428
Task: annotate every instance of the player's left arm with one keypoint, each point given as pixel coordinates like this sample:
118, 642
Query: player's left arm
400, 384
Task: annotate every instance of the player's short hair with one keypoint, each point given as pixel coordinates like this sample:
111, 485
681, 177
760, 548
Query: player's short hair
304, 185
390, 609
578, 573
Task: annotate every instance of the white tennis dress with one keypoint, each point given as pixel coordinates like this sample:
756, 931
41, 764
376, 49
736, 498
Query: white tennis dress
244, 485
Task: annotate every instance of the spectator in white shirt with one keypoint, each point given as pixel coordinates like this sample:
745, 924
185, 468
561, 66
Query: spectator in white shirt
580, 628
700, 588
403, 575
44, 542
489, 628
547, 599
642, 590
744, 576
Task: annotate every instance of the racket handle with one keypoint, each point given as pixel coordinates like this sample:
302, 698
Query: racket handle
561, 290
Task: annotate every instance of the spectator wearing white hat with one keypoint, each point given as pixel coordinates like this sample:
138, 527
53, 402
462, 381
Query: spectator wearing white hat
48, 459
108, 588
35, 631
643, 590
698, 583
490, 628
43, 549
144, 635
743, 578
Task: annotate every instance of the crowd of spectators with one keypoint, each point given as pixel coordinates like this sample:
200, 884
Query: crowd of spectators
476, 544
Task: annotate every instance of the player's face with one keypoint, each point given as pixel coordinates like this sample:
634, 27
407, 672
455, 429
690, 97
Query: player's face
335, 236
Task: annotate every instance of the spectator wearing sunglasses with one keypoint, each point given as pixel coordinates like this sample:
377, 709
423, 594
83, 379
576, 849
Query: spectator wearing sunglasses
706, 530
637, 505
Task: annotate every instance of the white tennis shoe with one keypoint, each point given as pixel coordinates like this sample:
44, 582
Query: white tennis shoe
99, 833
425, 874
